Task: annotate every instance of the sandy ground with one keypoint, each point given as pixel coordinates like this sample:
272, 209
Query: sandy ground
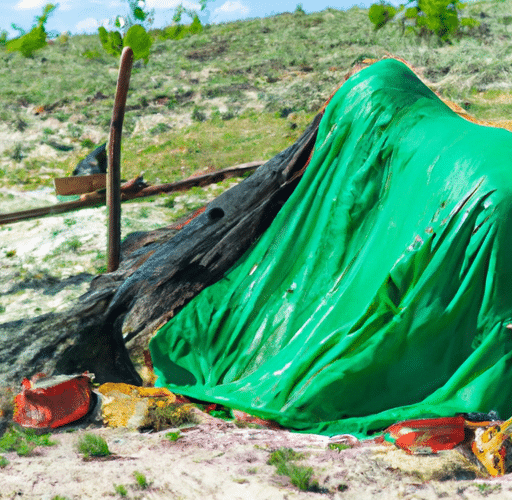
213, 460
218, 460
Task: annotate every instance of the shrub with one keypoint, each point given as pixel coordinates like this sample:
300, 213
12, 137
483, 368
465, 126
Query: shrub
136, 35
121, 490
91, 445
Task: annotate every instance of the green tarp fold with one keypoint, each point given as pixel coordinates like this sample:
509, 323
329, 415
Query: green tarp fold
382, 290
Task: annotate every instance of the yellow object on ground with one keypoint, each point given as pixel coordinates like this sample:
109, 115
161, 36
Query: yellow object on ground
493, 448
134, 407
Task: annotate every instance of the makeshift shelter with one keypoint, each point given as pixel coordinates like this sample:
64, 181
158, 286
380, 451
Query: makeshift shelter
381, 291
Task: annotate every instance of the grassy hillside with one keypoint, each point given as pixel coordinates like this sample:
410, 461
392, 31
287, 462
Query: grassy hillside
236, 92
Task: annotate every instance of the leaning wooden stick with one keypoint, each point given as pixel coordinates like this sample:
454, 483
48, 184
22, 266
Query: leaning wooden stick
97, 198
114, 161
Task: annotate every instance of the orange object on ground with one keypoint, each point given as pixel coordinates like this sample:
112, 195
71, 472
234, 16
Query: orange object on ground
428, 435
125, 405
493, 448
50, 402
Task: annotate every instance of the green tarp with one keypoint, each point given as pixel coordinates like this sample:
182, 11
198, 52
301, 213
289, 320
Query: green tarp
382, 290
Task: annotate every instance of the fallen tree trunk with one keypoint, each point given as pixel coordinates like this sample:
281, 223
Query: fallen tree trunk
159, 273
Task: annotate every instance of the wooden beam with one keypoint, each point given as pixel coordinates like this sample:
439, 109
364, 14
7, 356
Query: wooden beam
114, 161
129, 191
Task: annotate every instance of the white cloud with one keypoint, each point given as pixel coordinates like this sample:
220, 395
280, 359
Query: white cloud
30, 4
230, 7
87, 25
39, 4
171, 4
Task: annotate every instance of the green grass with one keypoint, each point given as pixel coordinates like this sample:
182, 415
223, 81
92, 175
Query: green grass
120, 490
173, 415
23, 441
92, 445
233, 83
338, 446
300, 476
3, 462
173, 436
141, 480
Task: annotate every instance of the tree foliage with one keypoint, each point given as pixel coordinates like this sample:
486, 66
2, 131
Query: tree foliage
136, 24
425, 17
35, 39
135, 36
178, 31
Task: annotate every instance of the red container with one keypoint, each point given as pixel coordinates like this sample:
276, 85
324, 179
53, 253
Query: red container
428, 435
52, 402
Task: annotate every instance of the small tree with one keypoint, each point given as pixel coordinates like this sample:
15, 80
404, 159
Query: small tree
28, 43
178, 30
427, 17
135, 35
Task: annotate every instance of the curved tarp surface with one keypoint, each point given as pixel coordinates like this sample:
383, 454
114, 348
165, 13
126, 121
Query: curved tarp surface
382, 290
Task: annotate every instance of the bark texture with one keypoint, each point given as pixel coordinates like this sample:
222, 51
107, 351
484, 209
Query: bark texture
159, 273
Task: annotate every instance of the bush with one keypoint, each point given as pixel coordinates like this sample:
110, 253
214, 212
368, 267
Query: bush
91, 445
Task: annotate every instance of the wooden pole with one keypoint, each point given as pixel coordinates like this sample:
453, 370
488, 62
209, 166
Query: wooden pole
114, 162
97, 198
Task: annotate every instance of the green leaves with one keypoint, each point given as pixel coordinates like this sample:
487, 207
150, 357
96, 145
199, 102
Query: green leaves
440, 17
140, 42
428, 17
111, 41
35, 39
136, 37
380, 14
30, 42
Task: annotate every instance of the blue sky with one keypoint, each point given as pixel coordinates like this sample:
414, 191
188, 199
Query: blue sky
84, 16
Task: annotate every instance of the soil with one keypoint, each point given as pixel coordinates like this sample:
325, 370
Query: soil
218, 460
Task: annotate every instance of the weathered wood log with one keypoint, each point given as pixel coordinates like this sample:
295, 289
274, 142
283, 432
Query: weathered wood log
159, 273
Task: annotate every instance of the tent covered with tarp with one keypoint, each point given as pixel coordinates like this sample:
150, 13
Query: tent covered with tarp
381, 291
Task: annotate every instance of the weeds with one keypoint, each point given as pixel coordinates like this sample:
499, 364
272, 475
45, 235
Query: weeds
173, 436
300, 476
92, 445
23, 441
6, 397
486, 488
173, 415
3, 462
142, 482
120, 490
